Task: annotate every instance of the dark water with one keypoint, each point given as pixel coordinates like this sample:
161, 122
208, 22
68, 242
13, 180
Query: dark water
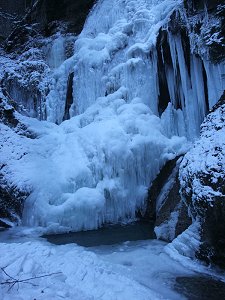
109, 235
200, 288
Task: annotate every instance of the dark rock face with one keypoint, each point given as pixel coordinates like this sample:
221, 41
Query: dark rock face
172, 218
74, 12
47, 17
211, 33
11, 205
7, 114
10, 13
202, 178
196, 5
165, 206
156, 187
164, 61
212, 249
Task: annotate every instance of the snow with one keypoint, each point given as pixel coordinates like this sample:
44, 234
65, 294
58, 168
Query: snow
136, 270
167, 230
82, 275
206, 160
24, 79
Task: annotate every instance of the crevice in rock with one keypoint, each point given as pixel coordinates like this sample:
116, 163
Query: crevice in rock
69, 97
205, 88
163, 54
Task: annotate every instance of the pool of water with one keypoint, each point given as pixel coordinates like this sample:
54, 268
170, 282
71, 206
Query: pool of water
108, 235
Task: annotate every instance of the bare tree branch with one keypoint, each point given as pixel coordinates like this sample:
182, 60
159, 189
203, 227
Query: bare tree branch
4, 271
12, 281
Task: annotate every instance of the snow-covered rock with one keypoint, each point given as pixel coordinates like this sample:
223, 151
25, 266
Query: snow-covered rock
12, 196
202, 179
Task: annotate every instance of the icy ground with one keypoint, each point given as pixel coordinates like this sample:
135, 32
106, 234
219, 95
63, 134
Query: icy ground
131, 270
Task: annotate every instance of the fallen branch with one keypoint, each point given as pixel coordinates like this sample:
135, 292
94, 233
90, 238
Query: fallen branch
12, 281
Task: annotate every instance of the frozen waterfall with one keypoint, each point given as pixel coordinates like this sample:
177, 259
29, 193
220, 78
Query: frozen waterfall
96, 167
57, 52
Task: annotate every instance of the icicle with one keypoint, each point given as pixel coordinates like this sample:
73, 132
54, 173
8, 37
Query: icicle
57, 53
215, 81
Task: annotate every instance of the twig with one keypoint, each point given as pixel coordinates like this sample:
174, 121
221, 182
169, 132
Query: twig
12, 281
4, 271
30, 278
